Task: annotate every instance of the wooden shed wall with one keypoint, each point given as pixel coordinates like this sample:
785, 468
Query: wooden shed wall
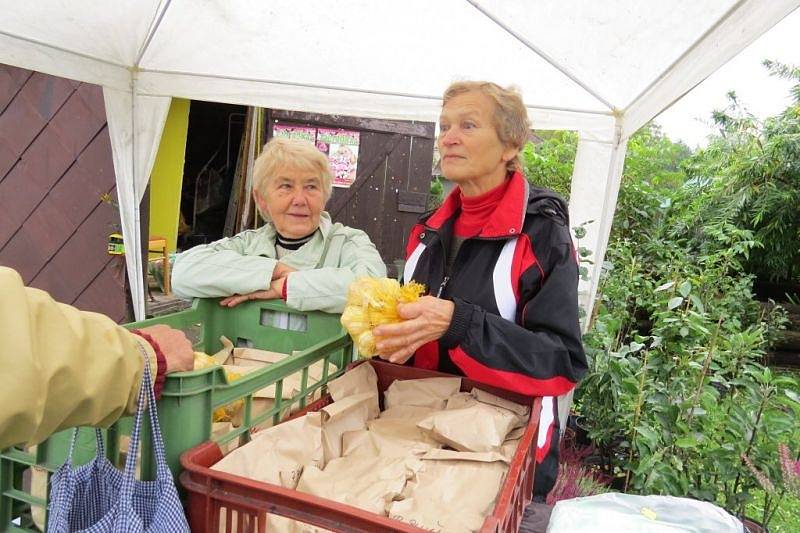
392, 180
55, 165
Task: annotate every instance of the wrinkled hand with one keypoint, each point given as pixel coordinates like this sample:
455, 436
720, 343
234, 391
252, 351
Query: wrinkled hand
425, 320
176, 348
282, 270
273, 293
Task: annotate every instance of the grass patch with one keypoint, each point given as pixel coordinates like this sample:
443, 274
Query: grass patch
787, 517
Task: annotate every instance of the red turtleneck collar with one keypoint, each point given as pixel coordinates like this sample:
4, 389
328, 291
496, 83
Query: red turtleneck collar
476, 210
504, 220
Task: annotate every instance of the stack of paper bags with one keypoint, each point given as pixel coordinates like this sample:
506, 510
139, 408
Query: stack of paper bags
435, 457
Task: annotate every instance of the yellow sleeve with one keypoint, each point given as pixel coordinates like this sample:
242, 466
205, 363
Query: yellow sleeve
61, 367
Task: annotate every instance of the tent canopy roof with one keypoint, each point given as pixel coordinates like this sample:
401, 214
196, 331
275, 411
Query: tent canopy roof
579, 65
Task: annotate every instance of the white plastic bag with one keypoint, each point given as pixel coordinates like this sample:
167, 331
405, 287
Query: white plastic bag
630, 513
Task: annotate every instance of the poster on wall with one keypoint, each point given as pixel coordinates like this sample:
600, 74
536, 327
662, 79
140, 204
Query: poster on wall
289, 131
341, 147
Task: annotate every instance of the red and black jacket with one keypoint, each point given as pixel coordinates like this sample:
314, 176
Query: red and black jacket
515, 289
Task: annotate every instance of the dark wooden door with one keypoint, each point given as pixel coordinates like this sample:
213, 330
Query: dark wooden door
55, 166
392, 180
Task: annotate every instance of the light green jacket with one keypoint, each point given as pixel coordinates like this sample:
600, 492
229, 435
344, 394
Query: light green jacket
241, 264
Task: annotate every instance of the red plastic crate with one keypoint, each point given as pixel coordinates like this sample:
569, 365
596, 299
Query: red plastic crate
209, 491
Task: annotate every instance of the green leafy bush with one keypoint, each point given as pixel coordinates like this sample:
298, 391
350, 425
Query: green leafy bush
753, 173
549, 163
677, 389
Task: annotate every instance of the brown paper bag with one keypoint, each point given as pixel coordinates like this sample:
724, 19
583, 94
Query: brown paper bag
258, 406
370, 483
219, 429
38, 490
450, 496
516, 434
509, 447
229, 354
387, 438
224, 353
521, 411
428, 392
402, 430
479, 428
453, 455
292, 384
275, 455
348, 414
245, 360
412, 413
360, 380
461, 400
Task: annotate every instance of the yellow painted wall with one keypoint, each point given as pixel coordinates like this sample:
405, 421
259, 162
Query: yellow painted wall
167, 175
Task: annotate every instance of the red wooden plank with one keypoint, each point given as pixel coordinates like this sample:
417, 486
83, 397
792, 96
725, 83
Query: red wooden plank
41, 166
96, 160
11, 81
81, 258
19, 125
106, 293
76, 123
46, 159
26, 252
53, 226
80, 189
8, 157
92, 96
46, 93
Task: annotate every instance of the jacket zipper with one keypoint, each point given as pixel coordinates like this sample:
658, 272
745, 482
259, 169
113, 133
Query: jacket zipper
442, 286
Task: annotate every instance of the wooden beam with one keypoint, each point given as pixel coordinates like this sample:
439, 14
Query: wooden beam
415, 129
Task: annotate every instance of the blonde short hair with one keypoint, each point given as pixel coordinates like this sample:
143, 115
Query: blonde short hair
298, 154
510, 117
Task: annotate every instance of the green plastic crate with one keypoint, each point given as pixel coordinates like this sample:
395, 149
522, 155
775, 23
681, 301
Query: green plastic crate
189, 398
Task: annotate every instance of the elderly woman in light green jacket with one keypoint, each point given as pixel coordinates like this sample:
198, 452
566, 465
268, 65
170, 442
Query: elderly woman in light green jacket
299, 255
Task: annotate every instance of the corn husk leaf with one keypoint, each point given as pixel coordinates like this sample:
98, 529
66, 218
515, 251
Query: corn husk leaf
366, 345
355, 320
372, 302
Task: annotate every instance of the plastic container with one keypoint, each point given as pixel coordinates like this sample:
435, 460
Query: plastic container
214, 497
189, 398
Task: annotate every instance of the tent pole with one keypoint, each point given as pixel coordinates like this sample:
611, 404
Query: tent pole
593, 199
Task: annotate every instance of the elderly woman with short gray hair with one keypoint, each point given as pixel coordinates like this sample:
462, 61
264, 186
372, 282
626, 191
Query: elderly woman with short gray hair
299, 255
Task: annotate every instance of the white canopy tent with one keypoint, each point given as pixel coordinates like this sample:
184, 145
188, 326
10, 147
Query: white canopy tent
601, 68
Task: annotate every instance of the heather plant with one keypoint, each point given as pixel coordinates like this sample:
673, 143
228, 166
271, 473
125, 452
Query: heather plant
789, 484
575, 478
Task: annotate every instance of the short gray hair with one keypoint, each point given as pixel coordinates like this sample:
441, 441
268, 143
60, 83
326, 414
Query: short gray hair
299, 154
510, 117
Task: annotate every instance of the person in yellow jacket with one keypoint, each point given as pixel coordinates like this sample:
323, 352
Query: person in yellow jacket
61, 367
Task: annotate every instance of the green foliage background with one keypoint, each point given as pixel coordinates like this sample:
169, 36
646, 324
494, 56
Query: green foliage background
677, 389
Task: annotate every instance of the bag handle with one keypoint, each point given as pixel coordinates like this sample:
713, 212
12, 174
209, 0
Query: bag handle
146, 400
100, 449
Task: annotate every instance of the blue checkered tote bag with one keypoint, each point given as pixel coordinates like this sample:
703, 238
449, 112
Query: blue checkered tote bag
98, 498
